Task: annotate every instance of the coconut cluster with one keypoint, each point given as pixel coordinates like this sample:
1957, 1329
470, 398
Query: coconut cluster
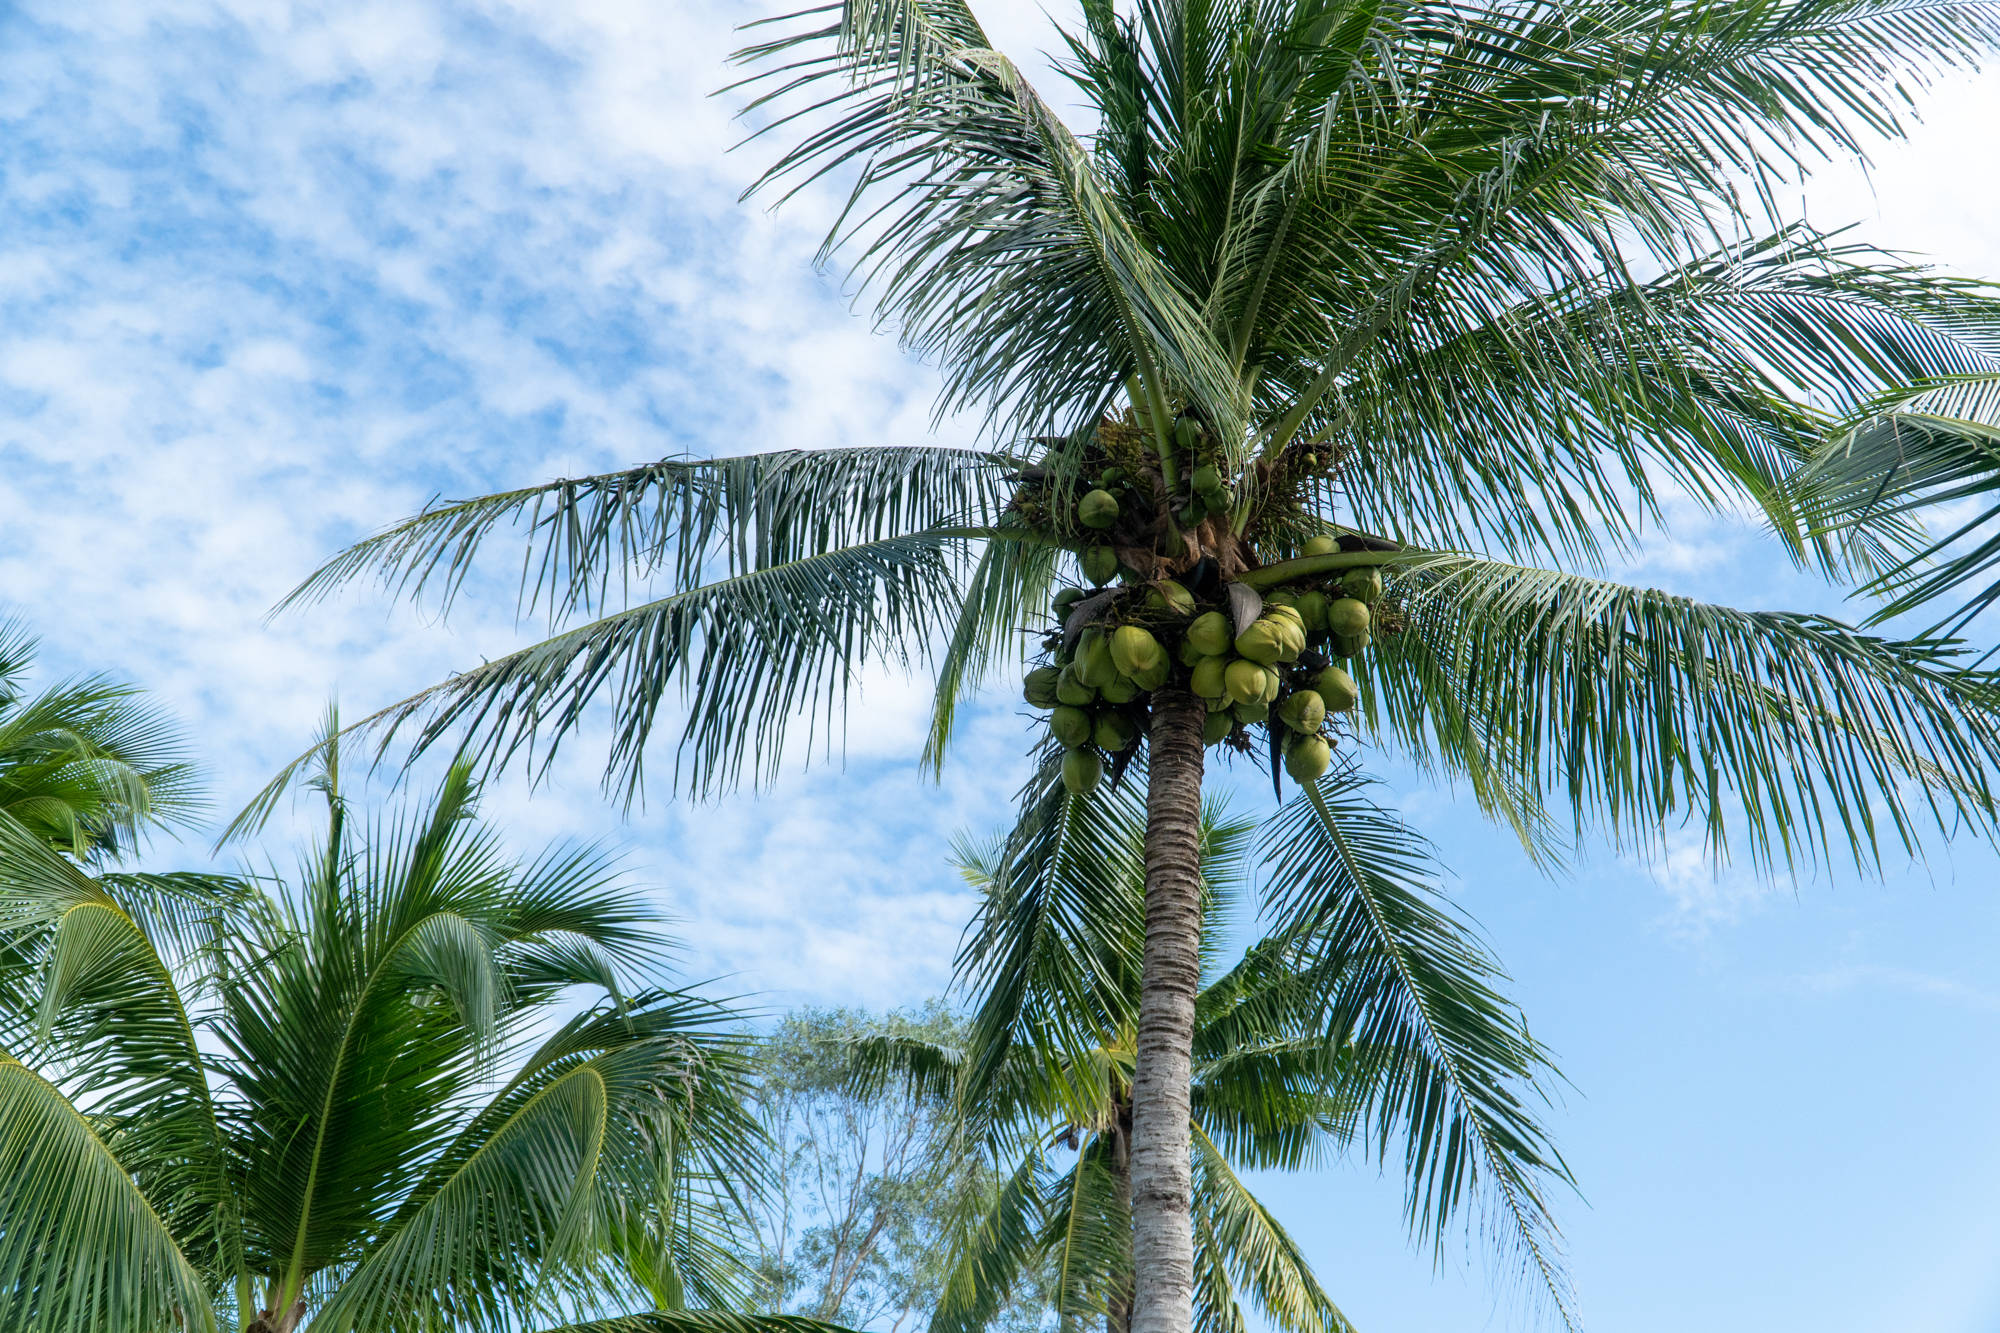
1272, 662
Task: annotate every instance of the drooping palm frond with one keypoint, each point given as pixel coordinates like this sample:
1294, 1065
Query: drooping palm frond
1255, 1250
1445, 1060
1054, 952
750, 655
1087, 1234
1931, 450
993, 1251
1007, 591
1794, 734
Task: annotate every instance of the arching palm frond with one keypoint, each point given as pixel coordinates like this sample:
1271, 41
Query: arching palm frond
1086, 1234
84, 1250
1795, 734
1933, 448
1444, 1060
687, 521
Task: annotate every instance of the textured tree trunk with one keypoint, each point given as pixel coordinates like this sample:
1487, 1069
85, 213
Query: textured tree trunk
1118, 1307
1162, 1231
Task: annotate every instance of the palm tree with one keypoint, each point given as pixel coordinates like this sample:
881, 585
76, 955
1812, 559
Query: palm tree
85, 765
1411, 281
360, 1101
1054, 979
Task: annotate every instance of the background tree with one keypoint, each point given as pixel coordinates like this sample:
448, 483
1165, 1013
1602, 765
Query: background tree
86, 765
1410, 280
870, 1178
360, 1100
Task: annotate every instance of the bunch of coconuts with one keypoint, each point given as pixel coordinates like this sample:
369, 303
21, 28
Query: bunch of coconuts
1268, 661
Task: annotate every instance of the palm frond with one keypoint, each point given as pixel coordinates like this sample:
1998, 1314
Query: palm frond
589, 542
1794, 733
1257, 1252
992, 238
1444, 1058
84, 1250
990, 1254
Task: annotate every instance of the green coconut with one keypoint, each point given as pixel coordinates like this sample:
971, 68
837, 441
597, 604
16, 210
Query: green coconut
1176, 598
1186, 432
1291, 634
1272, 684
1303, 711
1363, 585
1263, 642
1155, 676
1320, 546
1113, 476
1254, 711
1040, 686
1306, 758
1244, 681
1071, 690
1097, 509
1187, 654
1114, 732
1067, 598
1312, 611
1208, 678
1134, 649
1094, 665
1216, 727
1082, 771
1207, 479
1100, 565
1282, 597
1210, 633
1071, 727
1222, 705
1119, 691
1336, 690
1193, 513
1347, 615
1351, 645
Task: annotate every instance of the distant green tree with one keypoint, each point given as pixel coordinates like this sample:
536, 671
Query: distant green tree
86, 765
871, 1180
364, 1099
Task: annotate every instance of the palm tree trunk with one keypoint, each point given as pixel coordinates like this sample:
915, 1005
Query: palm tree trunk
1162, 1232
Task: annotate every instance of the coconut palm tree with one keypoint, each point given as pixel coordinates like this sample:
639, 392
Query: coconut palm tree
360, 1100
1054, 980
85, 765
1459, 291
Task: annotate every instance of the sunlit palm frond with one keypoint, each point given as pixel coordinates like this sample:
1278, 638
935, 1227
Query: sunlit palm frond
1006, 594
84, 1250
1087, 1234
1445, 1060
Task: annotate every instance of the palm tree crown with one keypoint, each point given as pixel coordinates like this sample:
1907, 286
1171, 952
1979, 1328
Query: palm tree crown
354, 1102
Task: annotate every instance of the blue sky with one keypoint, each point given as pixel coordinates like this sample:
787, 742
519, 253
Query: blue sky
272, 274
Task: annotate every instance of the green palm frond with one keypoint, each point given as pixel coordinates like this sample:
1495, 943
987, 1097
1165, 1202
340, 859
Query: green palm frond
993, 1251
750, 654
703, 1321
1007, 593
1444, 1059
1933, 447
1795, 734
687, 521
989, 232
1087, 1232
1055, 949
84, 1250
1260, 1257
